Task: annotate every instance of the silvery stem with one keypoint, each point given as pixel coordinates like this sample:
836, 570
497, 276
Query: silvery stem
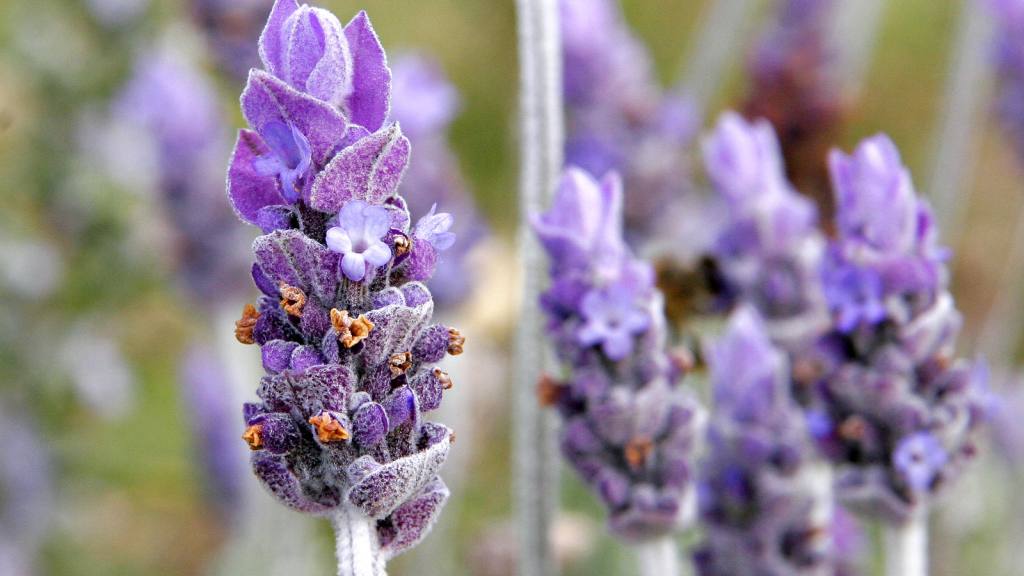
541, 141
720, 36
1000, 332
356, 542
906, 548
855, 25
967, 86
658, 557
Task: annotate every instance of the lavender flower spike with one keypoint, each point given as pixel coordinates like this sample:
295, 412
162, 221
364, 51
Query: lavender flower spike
896, 412
769, 250
343, 323
628, 425
763, 498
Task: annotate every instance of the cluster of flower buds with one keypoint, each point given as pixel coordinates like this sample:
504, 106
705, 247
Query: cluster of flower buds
763, 496
425, 103
1009, 59
768, 250
895, 411
629, 426
344, 320
793, 86
618, 117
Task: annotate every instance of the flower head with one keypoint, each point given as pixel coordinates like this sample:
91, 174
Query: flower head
344, 320
628, 425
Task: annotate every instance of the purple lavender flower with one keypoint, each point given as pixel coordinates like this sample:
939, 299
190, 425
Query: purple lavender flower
895, 412
764, 503
769, 250
629, 427
618, 117
344, 322
176, 105
425, 103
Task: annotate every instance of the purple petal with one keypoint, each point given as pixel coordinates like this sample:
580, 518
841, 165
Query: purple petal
271, 40
368, 103
354, 266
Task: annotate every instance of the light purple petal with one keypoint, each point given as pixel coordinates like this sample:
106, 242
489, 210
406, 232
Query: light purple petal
354, 266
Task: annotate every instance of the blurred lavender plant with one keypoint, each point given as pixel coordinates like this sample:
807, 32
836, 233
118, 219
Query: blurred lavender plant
175, 103
424, 102
793, 85
629, 428
896, 412
764, 498
1009, 60
768, 250
618, 118
344, 322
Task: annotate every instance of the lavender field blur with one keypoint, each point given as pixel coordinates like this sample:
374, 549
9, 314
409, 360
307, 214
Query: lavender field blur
124, 268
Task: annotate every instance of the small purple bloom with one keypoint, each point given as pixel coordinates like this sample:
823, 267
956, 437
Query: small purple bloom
359, 237
919, 458
612, 318
290, 158
434, 228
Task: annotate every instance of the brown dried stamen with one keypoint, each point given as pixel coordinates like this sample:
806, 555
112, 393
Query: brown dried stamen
292, 299
549, 391
351, 331
328, 429
245, 326
402, 245
455, 342
400, 363
443, 378
853, 429
637, 451
253, 436
451, 437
